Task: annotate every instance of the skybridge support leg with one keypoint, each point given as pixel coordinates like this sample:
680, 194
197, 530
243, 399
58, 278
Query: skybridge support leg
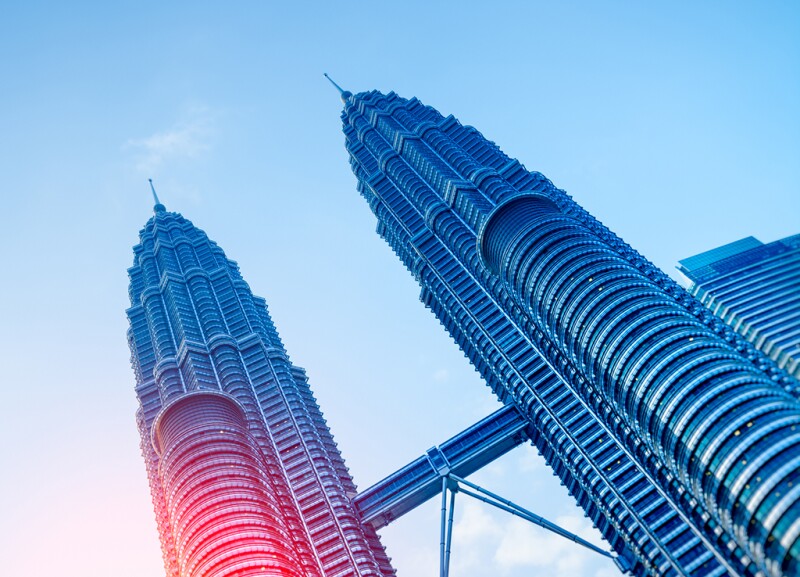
447, 524
449, 532
510, 507
442, 568
453, 482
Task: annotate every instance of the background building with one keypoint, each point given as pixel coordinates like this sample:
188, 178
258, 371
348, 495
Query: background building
755, 288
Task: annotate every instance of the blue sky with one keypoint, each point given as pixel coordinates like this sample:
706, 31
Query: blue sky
676, 124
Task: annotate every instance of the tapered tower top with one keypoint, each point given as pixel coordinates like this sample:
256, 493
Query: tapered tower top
157, 207
345, 94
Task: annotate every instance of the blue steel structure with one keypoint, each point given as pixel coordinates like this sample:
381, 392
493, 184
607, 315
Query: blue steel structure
755, 288
245, 477
678, 438
461, 455
244, 474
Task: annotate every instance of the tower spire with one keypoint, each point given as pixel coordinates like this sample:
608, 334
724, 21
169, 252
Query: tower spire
345, 94
158, 207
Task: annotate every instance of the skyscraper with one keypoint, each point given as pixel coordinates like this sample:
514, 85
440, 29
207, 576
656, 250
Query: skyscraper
244, 474
755, 288
678, 438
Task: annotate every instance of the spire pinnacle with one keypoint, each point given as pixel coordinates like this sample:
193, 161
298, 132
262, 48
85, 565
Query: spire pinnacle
158, 206
345, 94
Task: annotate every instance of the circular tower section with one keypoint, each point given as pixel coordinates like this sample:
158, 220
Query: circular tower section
224, 515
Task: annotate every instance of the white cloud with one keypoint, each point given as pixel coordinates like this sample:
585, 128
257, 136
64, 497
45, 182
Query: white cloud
185, 139
610, 571
489, 542
530, 461
475, 534
441, 376
525, 545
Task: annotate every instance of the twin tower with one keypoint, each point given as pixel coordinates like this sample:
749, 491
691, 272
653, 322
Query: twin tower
677, 437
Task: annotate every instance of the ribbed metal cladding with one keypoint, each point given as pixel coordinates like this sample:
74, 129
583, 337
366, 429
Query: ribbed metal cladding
223, 510
722, 426
195, 326
401, 177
